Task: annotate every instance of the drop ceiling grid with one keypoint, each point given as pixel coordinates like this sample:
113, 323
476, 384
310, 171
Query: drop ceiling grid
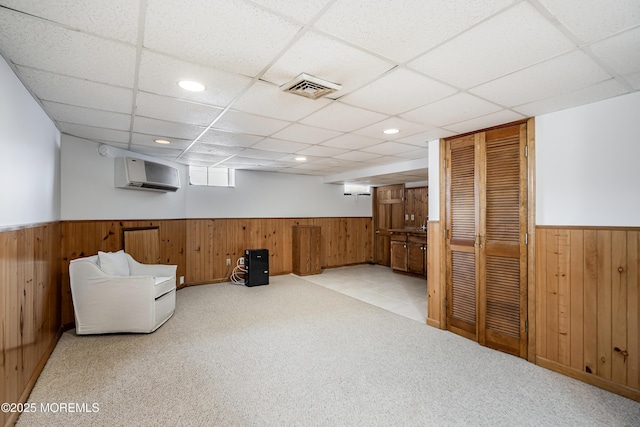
53, 48
187, 31
390, 44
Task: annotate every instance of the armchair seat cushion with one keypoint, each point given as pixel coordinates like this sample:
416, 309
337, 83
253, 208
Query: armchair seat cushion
164, 285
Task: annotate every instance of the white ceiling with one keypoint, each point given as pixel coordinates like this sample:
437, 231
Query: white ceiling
107, 71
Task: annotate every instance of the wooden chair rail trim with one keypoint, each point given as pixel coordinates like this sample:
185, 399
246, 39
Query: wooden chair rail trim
587, 227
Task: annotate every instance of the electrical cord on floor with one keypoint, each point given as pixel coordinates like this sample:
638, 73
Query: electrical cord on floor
237, 275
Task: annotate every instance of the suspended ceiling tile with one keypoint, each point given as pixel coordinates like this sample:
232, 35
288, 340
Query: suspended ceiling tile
592, 20
514, 39
231, 35
239, 122
634, 80
164, 129
215, 149
327, 59
421, 139
230, 138
87, 116
399, 91
167, 153
621, 52
389, 148
458, 107
401, 31
201, 159
320, 150
280, 145
40, 44
175, 110
307, 134
357, 156
547, 79
72, 91
351, 141
252, 153
94, 133
266, 99
406, 128
116, 19
160, 74
587, 95
296, 9
149, 141
342, 117
420, 153
493, 119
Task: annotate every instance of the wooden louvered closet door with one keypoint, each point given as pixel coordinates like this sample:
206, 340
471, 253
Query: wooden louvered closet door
462, 223
502, 282
486, 210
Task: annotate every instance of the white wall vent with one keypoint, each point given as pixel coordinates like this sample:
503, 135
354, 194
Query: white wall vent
138, 174
310, 86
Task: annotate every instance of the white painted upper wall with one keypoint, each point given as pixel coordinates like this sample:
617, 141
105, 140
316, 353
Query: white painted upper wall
89, 192
29, 156
587, 164
275, 195
434, 180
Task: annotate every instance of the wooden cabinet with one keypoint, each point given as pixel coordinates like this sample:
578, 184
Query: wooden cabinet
306, 250
399, 252
388, 213
409, 253
416, 207
417, 255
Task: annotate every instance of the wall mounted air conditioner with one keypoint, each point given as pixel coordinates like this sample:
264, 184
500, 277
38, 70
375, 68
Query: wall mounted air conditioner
138, 174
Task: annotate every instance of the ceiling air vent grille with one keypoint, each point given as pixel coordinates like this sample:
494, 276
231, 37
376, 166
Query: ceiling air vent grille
310, 87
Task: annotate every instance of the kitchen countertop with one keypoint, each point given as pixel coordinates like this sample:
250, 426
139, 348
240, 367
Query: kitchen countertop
408, 231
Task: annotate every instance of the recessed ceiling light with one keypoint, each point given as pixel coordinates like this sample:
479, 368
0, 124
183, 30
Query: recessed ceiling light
162, 141
191, 86
301, 159
391, 131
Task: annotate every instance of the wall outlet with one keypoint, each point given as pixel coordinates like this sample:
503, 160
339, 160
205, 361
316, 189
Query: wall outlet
182, 280
412, 217
241, 261
406, 217
228, 261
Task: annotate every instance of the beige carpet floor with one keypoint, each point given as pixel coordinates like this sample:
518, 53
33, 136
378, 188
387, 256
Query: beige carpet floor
297, 354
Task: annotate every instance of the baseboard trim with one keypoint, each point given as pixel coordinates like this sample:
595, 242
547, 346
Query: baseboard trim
591, 379
13, 418
434, 323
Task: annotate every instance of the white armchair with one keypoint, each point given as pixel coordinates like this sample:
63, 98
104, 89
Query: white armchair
112, 292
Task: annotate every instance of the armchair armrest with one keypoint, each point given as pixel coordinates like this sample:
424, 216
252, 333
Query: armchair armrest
155, 270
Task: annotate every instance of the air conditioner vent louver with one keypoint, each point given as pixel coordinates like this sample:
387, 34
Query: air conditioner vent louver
310, 87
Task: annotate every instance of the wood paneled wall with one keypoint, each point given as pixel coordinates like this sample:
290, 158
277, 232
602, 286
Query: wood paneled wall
587, 302
85, 238
30, 308
200, 247
435, 283
210, 242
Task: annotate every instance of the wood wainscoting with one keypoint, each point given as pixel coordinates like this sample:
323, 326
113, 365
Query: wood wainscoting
587, 305
30, 322
435, 281
200, 247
